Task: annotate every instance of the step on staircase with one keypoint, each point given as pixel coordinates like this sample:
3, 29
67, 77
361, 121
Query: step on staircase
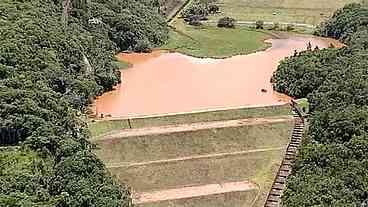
274, 196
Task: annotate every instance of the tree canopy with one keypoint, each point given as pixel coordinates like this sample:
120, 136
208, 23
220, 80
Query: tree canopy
332, 166
199, 10
55, 57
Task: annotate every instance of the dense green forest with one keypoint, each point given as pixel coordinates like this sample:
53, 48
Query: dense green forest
332, 166
55, 57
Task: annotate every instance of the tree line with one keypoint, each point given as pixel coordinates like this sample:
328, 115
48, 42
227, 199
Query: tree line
332, 166
55, 57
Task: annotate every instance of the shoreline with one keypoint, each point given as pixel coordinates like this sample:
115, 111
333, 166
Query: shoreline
215, 109
273, 36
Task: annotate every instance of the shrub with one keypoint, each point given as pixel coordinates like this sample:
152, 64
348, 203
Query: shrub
195, 20
290, 27
195, 9
276, 26
259, 24
213, 8
199, 11
226, 22
142, 46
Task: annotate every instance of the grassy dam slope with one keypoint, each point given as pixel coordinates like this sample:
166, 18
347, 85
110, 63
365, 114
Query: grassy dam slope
231, 165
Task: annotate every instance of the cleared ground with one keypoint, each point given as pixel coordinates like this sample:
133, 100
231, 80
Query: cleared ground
292, 11
99, 128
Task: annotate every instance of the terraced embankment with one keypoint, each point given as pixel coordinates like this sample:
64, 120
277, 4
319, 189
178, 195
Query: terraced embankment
111, 125
208, 163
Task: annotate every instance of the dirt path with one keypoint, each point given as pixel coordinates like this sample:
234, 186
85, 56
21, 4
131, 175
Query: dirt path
193, 127
175, 14
189, 192
66, 7
180, 159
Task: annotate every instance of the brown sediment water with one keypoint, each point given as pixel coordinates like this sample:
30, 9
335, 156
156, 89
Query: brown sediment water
161, 83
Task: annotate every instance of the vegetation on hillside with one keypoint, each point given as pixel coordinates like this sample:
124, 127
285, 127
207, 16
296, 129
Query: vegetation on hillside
332, 167
226, 22
347, 24
102, 127
55, 56
199, 10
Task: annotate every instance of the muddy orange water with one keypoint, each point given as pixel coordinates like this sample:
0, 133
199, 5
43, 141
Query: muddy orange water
160, 83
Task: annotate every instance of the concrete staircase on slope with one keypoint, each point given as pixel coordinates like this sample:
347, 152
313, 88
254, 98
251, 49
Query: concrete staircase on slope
274, 196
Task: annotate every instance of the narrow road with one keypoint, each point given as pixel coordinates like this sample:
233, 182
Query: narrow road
66, 7
193, 127
266, 23
177, 12
180, 159
190, 192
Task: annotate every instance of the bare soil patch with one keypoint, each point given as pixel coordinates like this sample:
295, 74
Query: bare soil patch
193, 191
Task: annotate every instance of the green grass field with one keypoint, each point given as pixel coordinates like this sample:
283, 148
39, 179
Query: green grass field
99, 128
232, 199
211, 41
247, 167
292, 11
193, 143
